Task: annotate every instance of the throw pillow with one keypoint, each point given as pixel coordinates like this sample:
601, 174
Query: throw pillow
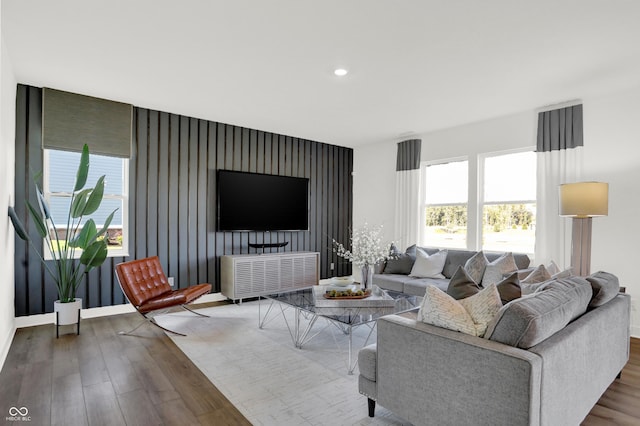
470, 315
496, 270
462, 285
398, 262
553, 268
538, 275
563, 274
605, 287
482, 307
427, 266
476, 265
509, 288
442, 310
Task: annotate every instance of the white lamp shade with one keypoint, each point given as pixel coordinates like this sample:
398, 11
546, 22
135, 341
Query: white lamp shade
584, 199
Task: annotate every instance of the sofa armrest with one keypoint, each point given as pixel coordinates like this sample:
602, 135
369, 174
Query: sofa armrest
427, 372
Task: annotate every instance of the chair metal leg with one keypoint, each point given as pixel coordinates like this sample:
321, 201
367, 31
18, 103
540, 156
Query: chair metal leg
152, 321
195, 312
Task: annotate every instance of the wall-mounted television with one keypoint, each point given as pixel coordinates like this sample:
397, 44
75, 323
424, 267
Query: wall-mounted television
261, 202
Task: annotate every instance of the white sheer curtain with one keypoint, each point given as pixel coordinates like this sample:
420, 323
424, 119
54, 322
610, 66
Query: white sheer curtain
407, 215
560, 153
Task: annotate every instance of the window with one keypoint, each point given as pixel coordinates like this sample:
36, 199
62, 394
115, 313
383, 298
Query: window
508, 203
60, 169
445, 204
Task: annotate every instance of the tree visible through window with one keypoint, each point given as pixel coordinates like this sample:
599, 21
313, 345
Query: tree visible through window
509, 202
60, 168
445, 207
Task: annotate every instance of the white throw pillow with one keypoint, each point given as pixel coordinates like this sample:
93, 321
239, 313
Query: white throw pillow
470, 315
427, 266
496, 270
482, 307
442, 310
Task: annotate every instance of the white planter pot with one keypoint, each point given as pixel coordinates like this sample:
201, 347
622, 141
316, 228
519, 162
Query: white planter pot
67, 313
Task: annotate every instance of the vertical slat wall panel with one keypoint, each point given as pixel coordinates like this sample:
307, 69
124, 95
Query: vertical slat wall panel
172, 204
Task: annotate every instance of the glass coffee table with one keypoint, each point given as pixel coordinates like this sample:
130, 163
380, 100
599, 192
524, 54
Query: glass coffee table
310, 305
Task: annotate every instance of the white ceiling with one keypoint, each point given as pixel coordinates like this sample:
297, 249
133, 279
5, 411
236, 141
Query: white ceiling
414, 65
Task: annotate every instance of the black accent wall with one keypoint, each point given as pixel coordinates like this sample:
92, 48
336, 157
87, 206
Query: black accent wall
172, 200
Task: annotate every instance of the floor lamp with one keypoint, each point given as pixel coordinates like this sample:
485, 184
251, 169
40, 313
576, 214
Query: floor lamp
582, 201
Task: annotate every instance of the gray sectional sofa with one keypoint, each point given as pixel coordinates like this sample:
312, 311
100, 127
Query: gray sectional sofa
545, 360
394, 274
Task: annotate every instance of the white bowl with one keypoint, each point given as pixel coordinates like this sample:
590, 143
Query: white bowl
342, 281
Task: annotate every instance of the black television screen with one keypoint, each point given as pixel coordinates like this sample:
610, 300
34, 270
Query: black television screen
260, 202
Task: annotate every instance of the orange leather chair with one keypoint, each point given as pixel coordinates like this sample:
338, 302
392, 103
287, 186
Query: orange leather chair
146, 286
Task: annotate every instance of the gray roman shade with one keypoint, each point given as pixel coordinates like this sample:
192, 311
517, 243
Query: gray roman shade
560, 129
70, 120
408, 155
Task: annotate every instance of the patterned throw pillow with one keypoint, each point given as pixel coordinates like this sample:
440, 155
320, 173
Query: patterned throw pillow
476, 265
483, 307
470, 315
427, 266
497, 269
442, 310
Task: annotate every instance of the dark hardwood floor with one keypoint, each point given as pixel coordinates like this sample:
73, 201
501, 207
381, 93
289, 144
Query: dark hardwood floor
101, 378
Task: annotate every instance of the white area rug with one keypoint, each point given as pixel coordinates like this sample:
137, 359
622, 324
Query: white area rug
269, 380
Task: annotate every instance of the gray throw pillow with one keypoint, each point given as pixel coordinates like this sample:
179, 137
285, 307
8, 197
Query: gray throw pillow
462, 285
605, 287
399, 263
509, 288
498, 269
476, 265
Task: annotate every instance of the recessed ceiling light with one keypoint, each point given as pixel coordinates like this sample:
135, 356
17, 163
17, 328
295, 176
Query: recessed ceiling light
340, 72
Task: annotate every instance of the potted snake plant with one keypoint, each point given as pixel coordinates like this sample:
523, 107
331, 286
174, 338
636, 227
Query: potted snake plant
80, 238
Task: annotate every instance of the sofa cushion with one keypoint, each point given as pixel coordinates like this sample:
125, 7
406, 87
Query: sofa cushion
527, 321
456, 258
462, 285
428, 266
417, 286
367, 362
522, 260
399, 263
394, 282
498, 269
476, 265
605, 287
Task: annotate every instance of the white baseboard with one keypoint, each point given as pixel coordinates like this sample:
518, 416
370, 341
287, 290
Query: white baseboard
33, 320
635, 332
4, 350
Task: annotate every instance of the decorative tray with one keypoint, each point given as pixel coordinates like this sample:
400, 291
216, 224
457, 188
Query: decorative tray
343, 295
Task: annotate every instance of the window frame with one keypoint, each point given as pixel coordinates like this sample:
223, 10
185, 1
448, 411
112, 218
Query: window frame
121, 252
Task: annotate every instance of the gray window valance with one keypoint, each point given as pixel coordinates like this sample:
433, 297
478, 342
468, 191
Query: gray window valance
560, 129
70, 120
408, 155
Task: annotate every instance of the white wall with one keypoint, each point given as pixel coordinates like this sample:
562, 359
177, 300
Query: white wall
7, 192
374, 165
611, 154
